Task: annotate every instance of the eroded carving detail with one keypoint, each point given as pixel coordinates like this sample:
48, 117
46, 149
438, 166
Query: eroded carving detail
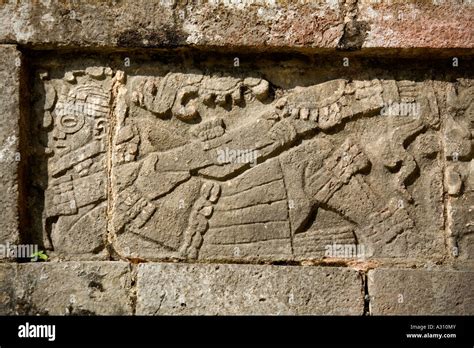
459, 174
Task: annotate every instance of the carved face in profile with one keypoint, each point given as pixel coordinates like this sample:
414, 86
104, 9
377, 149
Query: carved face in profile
80, 118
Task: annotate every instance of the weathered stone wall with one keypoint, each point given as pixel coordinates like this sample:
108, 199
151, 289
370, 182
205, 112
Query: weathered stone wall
237, 157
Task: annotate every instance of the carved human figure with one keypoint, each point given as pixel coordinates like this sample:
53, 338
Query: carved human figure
234, 202
75, 199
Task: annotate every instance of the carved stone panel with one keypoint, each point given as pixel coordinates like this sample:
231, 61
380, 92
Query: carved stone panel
220, 167
68, 179
192, 164
459, 173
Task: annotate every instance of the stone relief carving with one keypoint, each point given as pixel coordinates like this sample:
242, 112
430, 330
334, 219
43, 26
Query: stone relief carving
76, 118
459, 174
193, 165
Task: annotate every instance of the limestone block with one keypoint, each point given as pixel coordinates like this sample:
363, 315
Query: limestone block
9, 143
219, 289
66, 288
420, 292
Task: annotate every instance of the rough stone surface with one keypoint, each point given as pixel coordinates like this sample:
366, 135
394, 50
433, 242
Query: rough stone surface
7, 288
416, 24
69, 288
247, 289
9, 143
420, 292
325, 24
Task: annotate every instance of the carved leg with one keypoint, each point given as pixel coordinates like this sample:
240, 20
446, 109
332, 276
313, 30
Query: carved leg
339, 187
